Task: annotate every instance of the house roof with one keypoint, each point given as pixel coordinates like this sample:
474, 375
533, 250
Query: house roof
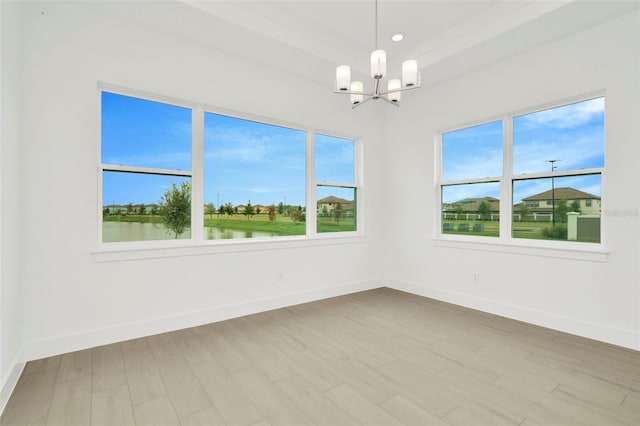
562, 194
331, 199
473, 204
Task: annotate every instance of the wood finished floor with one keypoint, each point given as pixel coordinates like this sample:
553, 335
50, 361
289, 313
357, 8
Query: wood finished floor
377, 357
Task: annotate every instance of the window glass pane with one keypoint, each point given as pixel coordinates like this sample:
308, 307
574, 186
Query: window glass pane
137, 132
472, 209
336, 209
255, 172
132, 207
564, 208
473, 152
571, 134
334, 159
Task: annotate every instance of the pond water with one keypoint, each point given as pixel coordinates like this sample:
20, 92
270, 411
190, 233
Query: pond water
135, 231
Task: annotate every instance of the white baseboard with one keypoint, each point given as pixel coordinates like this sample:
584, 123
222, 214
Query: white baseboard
10, 384
616, 336
38, 349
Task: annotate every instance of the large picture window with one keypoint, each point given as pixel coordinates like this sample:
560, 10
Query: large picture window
552, 182
254, 179
182, 172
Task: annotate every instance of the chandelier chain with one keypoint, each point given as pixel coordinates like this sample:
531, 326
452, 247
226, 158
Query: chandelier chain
376, 8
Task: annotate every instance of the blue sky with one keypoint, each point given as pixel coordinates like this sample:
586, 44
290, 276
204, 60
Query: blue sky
243, 160
572, 134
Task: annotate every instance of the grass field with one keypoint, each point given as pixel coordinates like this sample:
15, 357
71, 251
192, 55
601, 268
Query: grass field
283, 225
529, 230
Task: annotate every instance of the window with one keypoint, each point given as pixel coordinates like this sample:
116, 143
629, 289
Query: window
178, 172
552, 179
470, 189
558, 158
254, 179
145, 151
336, 191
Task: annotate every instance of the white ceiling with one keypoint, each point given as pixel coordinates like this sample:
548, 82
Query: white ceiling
310, 37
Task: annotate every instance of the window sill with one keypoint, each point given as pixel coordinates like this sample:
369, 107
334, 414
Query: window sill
117, 252
554, 249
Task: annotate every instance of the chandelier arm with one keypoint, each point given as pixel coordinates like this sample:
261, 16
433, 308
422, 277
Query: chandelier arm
396, 104
360, 103
348, 92
403, 89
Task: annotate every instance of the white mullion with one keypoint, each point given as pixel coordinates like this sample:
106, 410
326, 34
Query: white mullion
312, 209
197, 179
506, 183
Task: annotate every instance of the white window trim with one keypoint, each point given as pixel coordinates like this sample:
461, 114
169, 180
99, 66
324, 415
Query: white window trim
197, 245
505, 243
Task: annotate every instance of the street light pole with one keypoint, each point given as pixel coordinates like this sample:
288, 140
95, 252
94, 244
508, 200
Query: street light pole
553, 192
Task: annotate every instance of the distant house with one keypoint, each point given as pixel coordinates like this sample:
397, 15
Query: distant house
588, 204
328, 204
469, 208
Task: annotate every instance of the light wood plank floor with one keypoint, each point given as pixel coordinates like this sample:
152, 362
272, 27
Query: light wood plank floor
377, 357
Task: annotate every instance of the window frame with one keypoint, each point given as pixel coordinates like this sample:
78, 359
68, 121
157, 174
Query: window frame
505, 241
104, 251
356, 178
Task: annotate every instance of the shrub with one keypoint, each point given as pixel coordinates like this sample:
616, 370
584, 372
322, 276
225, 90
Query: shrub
558, 232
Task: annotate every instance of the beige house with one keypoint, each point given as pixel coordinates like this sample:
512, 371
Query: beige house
328, 204
588, 204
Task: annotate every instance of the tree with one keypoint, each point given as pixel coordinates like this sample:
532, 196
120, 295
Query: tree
523, 210
258, 211
272, 213
561, 210
297, 215
130, 208
141, 209
337, 213
484, 210
154, 209
175, 207
228, 209
575, 206
249, 211
325, 211
280, 208
209, 209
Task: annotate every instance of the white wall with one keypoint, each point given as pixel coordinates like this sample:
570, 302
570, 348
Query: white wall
594, 299
10, 199
73, 299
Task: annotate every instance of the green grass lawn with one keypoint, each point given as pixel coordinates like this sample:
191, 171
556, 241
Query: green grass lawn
283, 225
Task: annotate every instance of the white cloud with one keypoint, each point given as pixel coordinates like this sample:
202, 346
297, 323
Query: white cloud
566, 117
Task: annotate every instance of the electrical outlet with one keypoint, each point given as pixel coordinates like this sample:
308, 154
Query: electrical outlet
475, 277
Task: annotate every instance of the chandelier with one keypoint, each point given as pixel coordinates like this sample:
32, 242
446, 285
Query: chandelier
410, 78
